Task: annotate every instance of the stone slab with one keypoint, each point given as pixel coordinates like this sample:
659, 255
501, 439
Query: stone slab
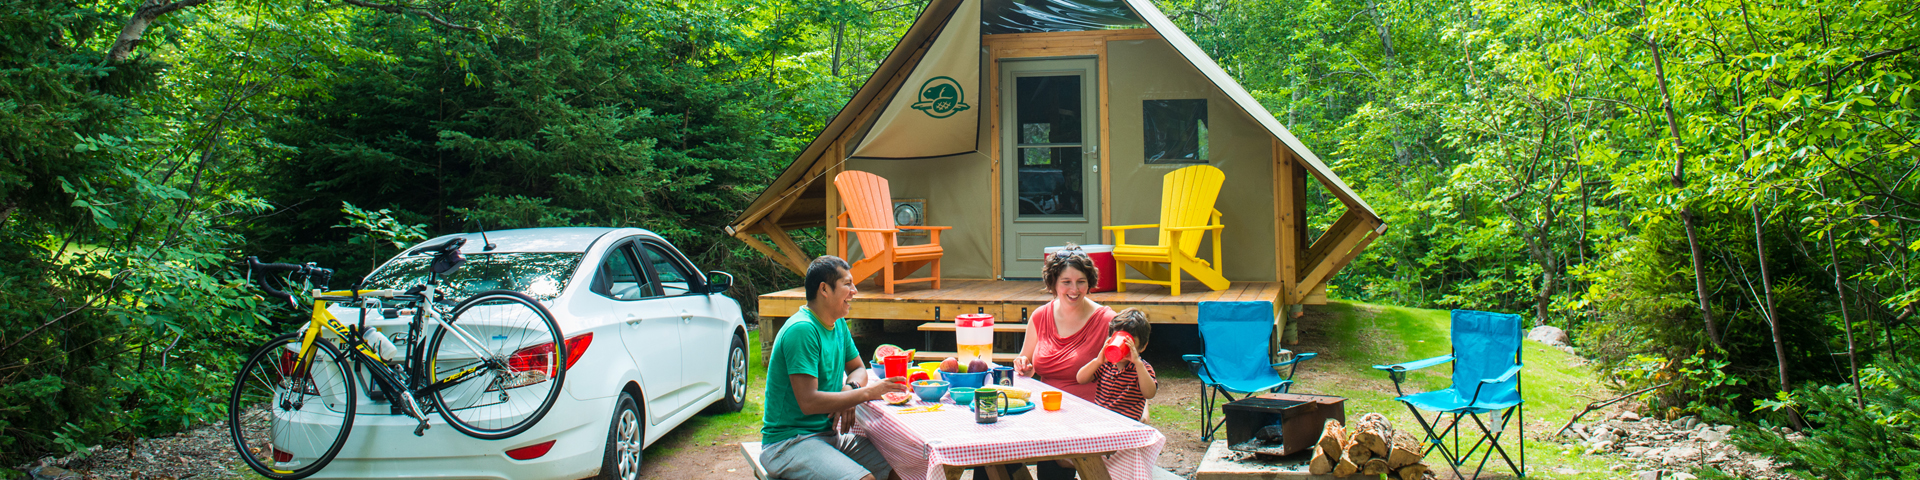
1223, 464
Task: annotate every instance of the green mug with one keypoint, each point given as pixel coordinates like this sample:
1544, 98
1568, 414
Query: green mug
987, 404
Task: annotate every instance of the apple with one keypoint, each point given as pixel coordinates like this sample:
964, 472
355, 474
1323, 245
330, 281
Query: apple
950, 365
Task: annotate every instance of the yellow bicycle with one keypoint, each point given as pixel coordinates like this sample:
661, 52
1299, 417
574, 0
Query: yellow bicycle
491, 367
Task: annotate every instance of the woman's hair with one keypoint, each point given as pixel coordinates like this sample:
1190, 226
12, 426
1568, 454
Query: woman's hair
1071, 256
1134, 322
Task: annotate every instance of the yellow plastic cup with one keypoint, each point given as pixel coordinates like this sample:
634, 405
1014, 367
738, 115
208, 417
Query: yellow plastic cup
932, 369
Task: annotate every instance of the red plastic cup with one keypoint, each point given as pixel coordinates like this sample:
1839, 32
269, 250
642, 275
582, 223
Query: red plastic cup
1117, 348
896, 366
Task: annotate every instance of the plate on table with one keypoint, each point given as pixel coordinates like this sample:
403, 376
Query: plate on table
1013, 411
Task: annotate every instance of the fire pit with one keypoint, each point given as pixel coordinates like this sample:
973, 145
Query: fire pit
1280, 424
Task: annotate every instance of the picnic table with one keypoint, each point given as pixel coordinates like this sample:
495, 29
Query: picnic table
945, 443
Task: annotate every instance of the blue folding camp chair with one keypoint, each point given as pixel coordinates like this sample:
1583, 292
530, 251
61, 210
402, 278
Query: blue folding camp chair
1486, 379
1234, 361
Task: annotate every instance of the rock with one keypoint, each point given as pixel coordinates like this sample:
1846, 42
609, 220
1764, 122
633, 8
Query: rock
1548, 334
1761, 464
1602, 446
1629, 416
1723, 428
1682, 476
1635, 451
1653, 475
1683, 453
1717, 458
50, 472
1709, 436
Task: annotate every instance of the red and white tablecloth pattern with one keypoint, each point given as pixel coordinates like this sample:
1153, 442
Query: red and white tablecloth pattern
918, 445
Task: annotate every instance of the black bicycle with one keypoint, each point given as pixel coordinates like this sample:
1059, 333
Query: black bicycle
490, 365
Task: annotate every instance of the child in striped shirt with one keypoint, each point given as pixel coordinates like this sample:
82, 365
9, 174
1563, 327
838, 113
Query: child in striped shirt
1126, 385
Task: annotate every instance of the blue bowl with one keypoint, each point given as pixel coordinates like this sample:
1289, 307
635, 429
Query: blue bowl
930, 390
961, 395
975, 380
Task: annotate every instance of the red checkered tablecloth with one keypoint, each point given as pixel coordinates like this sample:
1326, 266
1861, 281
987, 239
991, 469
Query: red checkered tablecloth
919, 445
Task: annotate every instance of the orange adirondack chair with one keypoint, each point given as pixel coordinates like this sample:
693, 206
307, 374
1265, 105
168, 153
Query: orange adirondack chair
1186, 215
870, 208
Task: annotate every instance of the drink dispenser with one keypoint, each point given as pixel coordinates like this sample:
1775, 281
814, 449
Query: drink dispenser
973, 337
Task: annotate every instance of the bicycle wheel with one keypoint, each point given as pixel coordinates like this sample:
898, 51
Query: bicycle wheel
507, 384
287, 422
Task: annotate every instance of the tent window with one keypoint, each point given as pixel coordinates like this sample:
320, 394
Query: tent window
1176, 130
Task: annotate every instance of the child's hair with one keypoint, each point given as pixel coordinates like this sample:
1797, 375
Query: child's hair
1071, 256
1134, 322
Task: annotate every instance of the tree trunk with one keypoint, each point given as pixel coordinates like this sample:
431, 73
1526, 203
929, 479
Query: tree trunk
1679, 179
1840, 289
136, 26
1773, 320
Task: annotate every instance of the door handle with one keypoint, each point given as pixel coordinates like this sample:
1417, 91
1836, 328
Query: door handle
633, 320
685, 317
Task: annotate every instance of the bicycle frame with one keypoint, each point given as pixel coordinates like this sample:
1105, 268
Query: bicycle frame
360, 352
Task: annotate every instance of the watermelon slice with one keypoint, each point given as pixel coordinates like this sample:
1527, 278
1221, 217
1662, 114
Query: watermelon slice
897, 398
885, 351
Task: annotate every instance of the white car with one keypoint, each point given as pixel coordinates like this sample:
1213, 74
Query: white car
662, 344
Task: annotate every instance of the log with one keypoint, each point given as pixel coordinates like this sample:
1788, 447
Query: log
1417, 471
1348, 465
1374, 467
1332, 444
1375, 433
1321, 464
1406, 451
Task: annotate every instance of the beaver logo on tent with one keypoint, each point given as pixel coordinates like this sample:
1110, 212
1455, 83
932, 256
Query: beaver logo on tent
941, 97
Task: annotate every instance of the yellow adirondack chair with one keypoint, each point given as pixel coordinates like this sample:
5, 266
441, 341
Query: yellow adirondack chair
1186, 215
869, 205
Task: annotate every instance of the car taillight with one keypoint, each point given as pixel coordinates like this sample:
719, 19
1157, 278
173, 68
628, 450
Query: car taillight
534, 364
531, 451
577, 346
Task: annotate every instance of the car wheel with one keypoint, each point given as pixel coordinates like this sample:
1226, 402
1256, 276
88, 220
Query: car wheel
624, 439
736, 380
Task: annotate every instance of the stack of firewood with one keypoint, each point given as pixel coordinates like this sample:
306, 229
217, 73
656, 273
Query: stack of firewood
1371, 447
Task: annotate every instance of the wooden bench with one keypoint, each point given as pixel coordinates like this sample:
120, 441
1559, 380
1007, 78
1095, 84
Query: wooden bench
1003, 358
751, 450
998, 328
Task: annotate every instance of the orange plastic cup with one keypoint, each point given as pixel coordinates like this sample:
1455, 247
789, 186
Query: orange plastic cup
1050, 400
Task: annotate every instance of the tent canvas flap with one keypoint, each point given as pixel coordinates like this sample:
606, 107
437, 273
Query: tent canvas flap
936, 111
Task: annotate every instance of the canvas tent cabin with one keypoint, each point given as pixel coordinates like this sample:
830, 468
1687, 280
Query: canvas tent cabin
1025, 124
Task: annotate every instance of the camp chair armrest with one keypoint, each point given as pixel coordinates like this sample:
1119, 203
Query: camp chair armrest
1199, 365
1414, 365
873, 230
1129, 227
1297, 358
1504, 377
904, 227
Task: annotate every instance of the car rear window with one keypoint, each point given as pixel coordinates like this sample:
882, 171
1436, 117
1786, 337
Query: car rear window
541, 275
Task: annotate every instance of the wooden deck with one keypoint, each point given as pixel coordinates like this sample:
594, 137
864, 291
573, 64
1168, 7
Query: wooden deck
1013, 300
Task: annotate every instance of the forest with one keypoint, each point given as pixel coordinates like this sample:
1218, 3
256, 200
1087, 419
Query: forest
1718, 197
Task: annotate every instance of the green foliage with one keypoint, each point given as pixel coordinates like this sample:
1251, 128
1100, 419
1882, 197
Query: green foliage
380, 229
1852, 436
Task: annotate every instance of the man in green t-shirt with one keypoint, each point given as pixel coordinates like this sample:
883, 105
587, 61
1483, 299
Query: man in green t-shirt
814, 372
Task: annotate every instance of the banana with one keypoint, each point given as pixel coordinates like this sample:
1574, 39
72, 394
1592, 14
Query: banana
1015, 392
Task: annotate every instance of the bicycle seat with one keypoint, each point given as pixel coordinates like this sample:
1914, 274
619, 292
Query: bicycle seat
451, 245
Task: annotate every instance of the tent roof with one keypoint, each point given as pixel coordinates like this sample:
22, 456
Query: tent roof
930, 22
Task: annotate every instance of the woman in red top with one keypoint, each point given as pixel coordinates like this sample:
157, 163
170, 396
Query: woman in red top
1067, 332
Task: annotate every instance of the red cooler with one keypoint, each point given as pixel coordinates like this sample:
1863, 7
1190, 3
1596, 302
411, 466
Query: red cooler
1102, 256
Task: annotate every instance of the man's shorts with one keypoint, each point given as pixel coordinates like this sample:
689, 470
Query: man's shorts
824, 456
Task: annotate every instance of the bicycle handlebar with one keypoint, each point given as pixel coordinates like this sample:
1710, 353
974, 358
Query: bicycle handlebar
320, 276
